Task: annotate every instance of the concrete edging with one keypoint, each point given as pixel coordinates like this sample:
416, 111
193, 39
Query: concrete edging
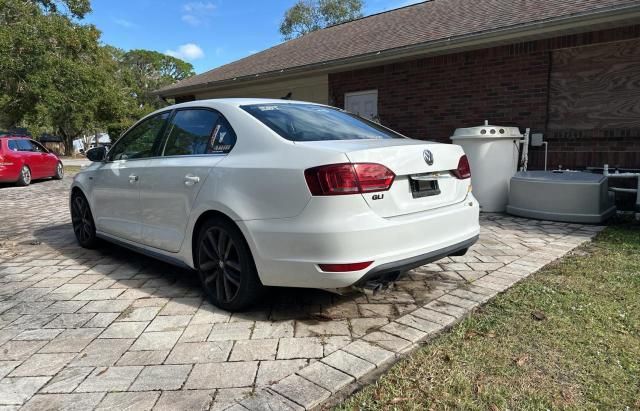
340, 373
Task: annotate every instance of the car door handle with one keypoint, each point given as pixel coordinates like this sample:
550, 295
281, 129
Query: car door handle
191, 180
133, 178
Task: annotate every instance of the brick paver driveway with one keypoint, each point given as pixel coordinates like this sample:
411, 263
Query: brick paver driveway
112, 329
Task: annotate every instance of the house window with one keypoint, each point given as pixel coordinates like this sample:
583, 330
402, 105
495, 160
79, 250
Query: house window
362, 103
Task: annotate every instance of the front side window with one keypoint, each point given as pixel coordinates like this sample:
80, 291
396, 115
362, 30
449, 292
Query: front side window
198, 131
38, 147
140, 142
308, 122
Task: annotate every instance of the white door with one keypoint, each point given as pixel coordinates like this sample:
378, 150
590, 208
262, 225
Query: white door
362, 103
116, 197
197, 139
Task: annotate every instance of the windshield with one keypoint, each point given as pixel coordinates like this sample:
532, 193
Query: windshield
309, 122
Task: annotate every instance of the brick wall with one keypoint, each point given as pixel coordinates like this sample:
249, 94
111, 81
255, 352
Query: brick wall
580, 149
509, 85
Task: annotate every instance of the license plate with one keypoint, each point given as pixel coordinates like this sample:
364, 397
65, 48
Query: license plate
424, 187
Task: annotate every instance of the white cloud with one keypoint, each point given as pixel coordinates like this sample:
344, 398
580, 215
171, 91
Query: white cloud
195, 11
189, 51
199, 6
190, 19
124, 23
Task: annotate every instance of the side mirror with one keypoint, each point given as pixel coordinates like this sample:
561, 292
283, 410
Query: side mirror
97, 154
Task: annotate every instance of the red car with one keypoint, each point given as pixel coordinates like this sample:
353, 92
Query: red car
23, 160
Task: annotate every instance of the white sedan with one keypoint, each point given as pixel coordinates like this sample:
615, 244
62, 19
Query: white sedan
254, 192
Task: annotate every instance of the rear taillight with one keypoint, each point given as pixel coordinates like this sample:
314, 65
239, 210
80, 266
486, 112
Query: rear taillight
341, 268
3, 162
464, 169
348, 178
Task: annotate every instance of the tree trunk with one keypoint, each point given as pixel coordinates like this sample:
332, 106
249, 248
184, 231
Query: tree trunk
68, 143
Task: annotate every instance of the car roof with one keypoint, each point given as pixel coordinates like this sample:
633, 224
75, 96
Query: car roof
217, 102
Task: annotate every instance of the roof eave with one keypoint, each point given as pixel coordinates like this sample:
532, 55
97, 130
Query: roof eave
540, 29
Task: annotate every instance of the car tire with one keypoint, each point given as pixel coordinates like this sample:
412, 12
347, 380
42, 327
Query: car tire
59, 175
25, 177
225, 266
82, 220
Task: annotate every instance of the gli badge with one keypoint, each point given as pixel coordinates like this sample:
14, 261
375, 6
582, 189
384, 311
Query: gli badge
428, 157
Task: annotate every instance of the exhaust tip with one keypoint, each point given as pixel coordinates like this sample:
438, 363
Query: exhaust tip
373, 287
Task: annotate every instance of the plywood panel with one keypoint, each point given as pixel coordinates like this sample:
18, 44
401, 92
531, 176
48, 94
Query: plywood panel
596, 87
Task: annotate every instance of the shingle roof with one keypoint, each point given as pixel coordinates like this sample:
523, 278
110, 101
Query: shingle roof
421, 23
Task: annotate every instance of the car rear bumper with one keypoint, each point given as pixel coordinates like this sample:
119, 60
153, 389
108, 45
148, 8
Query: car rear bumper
414, 262
287, 251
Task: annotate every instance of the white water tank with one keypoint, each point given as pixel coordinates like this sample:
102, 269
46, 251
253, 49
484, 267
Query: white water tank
493, 156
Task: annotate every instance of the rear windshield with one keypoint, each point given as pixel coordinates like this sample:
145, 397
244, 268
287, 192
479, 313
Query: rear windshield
308, 122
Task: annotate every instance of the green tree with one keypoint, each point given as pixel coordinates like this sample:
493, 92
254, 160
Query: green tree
145, 71
76, 8
57, 77
309, 15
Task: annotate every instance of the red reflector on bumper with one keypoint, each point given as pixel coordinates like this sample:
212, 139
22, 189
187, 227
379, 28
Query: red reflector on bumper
339, 268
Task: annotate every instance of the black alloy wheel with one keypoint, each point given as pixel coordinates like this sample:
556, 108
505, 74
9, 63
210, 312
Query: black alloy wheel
225, 266
82, 220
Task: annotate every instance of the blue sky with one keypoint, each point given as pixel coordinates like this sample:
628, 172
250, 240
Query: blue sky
207, 33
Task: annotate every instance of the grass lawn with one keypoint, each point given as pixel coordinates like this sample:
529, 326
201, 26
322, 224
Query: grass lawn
566, 338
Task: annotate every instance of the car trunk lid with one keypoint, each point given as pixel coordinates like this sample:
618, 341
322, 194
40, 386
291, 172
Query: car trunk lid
423, 173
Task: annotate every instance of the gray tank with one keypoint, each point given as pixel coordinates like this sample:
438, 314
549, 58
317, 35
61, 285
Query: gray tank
568, 196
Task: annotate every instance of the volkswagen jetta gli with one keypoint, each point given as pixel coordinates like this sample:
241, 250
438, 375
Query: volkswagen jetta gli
254, 193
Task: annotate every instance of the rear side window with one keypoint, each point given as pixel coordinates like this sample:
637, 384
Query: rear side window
198, 131
141, 141
223, 138
24, 145
308, 122
13, 145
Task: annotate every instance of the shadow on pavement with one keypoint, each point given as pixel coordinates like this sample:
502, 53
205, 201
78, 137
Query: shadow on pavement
155, 279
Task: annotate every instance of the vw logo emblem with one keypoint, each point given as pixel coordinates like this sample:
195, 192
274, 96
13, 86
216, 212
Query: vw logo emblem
428, 157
